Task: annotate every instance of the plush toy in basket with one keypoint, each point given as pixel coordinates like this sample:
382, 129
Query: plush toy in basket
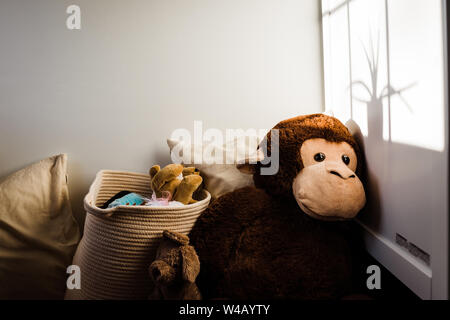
179, 182
174, 185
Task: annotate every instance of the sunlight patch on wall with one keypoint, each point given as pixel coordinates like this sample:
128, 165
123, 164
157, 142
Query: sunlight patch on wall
383, 64
416, 70
336, 59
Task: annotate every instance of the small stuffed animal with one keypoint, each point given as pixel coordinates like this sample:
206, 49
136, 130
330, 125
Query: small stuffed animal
180, 182
175, 269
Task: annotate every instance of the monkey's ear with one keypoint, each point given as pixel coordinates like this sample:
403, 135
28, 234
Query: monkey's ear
249, 165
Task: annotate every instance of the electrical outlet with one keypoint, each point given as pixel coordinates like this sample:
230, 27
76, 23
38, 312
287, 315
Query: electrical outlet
412, 248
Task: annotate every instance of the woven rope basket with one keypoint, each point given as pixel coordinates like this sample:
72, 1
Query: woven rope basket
119, 244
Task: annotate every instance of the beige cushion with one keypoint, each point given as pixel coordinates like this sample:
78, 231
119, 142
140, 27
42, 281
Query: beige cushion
38, 234
218, 178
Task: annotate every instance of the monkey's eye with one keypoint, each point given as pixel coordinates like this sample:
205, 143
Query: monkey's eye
346, 159
319, 157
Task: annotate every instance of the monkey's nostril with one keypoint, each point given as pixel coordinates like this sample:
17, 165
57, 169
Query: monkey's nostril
340, 176
335, 173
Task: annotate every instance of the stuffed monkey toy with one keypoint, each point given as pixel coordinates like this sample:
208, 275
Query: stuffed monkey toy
287, 237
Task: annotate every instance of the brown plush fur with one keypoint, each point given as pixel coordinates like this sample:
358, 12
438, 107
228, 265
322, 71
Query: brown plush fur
166, 180
256, 243
175, 269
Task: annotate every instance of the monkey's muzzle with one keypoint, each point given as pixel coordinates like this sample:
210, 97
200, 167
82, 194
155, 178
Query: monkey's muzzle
329, 191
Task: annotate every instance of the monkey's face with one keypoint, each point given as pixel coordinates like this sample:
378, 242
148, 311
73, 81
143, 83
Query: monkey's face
327, 187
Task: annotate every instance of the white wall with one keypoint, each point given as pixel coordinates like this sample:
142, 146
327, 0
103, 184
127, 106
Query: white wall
400, 109
110, 93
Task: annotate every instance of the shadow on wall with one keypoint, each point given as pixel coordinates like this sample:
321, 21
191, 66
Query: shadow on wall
372, 209
402, 207
403, 170
406, 168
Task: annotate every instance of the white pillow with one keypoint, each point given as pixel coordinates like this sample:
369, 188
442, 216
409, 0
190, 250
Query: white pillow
217, 163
